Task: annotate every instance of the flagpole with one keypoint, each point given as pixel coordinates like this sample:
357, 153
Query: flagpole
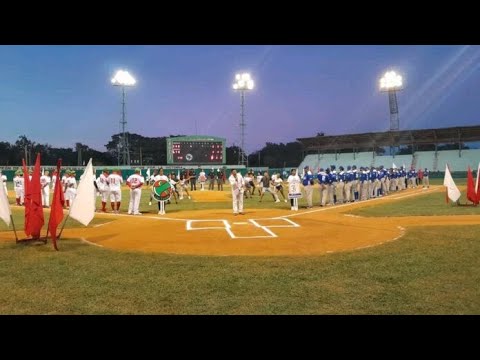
60, 234
46, 236
14, 230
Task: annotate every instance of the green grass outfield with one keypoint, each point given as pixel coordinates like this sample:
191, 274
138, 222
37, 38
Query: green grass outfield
431, 270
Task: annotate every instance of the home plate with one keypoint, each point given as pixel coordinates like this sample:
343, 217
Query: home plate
275, 223
249, 231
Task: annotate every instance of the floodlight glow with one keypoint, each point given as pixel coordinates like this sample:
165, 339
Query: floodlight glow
391, 81
123, 78
243, 82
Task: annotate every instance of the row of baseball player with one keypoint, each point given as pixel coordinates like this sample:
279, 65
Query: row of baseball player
363, 184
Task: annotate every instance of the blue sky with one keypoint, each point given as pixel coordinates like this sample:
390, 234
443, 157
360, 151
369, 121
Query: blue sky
62, 94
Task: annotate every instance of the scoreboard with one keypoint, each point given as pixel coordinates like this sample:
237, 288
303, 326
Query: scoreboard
196, 150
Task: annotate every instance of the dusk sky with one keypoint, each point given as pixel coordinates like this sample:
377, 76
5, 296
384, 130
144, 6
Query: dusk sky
62, 94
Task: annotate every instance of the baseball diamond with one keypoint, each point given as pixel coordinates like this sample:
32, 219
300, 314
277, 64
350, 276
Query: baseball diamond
240, 179
263, 232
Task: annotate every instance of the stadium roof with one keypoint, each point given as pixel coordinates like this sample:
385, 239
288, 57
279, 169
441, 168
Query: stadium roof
392, 138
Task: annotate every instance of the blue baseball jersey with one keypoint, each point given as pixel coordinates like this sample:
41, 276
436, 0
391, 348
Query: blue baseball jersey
307, 179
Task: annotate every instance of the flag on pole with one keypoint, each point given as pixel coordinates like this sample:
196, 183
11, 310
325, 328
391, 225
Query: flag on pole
27, 198
477, 190
148, 174
471, 195
394, 166
4, 206
34, 218
477, 185
56, 212
83, 208
178, 174
452, 190
43, 171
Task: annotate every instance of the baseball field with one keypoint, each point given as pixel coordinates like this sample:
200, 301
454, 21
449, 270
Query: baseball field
406, 253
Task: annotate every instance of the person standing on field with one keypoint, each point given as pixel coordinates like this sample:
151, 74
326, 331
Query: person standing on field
115, 182
237, 184
45, 186
135, 183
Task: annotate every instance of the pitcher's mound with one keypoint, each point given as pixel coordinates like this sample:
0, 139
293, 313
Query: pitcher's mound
210, 196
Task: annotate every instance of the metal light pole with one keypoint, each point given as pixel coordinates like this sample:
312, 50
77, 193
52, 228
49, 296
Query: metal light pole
391, 82
243, 83
123, 78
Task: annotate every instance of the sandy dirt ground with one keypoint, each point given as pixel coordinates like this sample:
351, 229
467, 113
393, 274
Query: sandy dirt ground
260, 232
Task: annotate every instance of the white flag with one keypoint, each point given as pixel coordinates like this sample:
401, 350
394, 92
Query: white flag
394, 166
178, 174
43, 171
148, 174
453, 192
83, 208
4, 206
478, 175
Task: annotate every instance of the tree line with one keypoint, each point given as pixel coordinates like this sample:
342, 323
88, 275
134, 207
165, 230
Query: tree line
143, 151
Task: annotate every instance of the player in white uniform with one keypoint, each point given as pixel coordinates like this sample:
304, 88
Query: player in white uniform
248, 187
103, 188
238, 186
293, 180
54, 180
45, 186
4, 181
151, 181
64, 179
135, 183
173, 183
183, 186
202, 178
19, 187
70, 188
259, 183
159, 177
278, 184
115, 182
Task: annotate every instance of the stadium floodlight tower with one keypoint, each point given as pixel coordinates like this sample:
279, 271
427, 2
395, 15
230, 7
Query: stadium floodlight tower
243, 83
124, 79
391, 82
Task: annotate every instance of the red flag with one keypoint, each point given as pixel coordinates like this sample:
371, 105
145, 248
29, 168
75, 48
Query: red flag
56, 213
471, 195
27, 198
35, 215
477, 184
